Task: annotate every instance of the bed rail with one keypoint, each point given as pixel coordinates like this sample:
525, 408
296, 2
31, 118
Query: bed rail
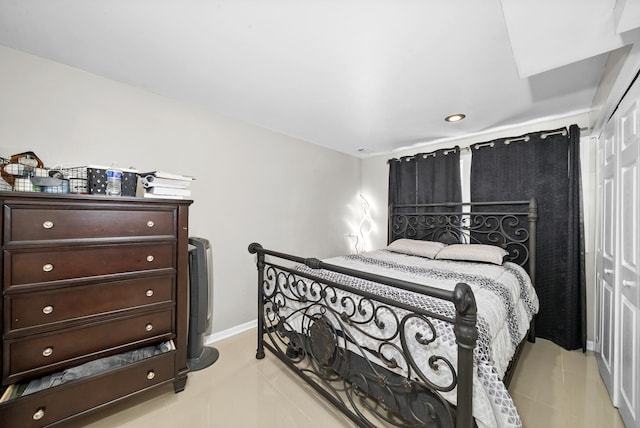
325, 330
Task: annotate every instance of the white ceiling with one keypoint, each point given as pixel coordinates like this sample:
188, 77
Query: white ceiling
345, 74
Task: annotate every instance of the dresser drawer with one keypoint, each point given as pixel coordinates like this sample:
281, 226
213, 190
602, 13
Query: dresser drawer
25, 310
61, 402
67, 222
60, 348
30, 267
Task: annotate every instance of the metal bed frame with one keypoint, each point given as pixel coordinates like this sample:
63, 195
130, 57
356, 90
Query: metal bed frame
383, 384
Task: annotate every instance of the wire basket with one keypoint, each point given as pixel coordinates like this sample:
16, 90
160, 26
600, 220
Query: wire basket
77, 176
90, 179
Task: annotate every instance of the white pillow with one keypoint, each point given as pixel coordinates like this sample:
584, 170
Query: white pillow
414, 247
473, 253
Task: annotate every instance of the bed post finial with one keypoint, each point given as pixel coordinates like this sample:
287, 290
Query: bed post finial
533, 208
464, 300
466, 338
254, 247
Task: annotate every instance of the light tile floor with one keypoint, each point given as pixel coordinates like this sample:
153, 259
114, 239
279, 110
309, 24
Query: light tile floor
552, 388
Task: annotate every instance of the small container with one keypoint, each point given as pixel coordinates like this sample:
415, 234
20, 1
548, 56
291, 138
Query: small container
114, 180
97, 179
62, 188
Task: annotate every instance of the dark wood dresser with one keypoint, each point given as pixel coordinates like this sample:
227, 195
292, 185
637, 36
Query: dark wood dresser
85, 278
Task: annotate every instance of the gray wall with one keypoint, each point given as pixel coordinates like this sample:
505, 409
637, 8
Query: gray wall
252, 184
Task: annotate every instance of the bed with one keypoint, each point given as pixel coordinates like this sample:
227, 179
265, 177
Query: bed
424, 332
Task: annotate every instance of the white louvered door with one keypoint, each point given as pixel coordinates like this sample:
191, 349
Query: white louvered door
618, 258
627, 261
605, 262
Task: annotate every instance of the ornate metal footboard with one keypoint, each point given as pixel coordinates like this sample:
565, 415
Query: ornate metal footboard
354, 348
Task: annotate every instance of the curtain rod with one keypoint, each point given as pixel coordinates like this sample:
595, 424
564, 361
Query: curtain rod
507, 141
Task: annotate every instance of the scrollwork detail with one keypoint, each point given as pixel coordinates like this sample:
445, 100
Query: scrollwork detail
505, 230
330, 336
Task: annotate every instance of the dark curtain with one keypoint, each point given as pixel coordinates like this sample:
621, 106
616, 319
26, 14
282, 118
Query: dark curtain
426, 178
576, 250
545, 165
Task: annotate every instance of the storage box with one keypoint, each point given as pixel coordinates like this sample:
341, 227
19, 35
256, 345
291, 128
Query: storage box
62, 188
97, 180
129, 182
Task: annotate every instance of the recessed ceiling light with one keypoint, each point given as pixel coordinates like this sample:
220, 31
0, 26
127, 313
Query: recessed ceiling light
454, 117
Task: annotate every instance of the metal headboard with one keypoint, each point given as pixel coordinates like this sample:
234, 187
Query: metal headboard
508, 224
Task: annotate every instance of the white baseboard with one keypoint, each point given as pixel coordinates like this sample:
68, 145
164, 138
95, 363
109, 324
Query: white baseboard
215, 337
590, 346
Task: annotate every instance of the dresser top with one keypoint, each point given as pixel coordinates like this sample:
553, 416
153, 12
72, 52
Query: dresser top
58, 197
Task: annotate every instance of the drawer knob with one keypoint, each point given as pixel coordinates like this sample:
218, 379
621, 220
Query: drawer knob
47, 352
47, 224
149, 293
48, 267
38, 415
151, 375
149, 327
47, 309
150, 223
149, 258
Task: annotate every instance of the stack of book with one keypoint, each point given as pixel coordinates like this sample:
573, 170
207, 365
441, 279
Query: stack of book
165, 185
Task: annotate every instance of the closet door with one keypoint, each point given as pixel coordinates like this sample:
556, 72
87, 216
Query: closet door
605, 261
628, 271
